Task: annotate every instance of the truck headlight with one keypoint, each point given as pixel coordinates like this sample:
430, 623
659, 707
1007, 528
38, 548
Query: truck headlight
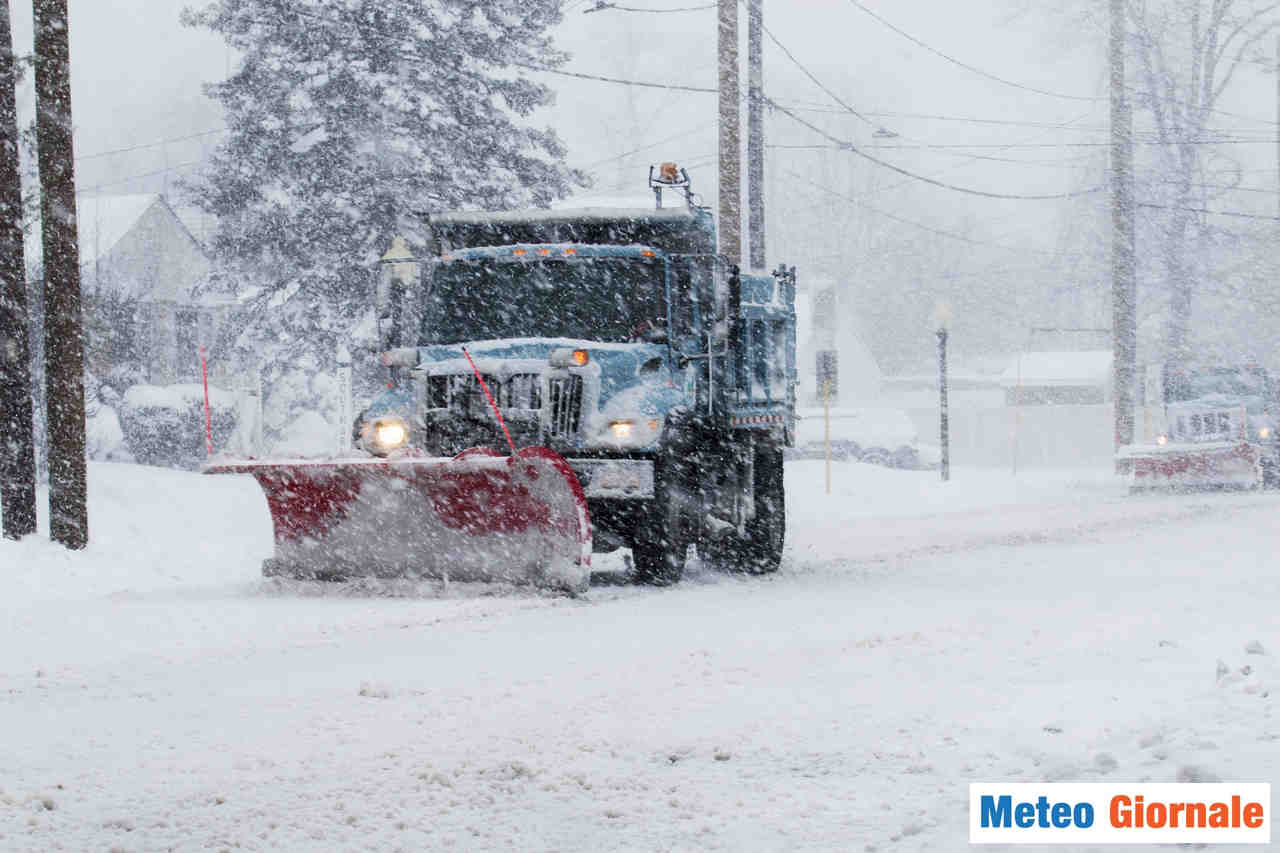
1264, 432
1162, 439
385, 435
621, 430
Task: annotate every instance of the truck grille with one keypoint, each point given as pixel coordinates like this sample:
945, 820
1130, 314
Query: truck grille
1208, 426
462, 393
566, 405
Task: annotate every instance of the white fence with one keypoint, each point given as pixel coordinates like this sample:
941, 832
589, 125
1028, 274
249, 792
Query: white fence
1067, 436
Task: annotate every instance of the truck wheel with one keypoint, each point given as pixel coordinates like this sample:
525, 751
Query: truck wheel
662, 539
1270, 475
762, 547
759, 552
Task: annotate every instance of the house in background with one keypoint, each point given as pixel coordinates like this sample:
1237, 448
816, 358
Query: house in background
830, 348
1058, 378
144, 280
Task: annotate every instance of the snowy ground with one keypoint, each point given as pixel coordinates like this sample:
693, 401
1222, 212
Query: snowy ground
156, 694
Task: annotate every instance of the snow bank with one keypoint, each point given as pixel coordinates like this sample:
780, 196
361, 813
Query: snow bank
149, 529
177, 396
882, 436
308, 436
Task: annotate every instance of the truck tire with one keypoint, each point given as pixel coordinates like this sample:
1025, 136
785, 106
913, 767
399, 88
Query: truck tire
661, 542
759, 552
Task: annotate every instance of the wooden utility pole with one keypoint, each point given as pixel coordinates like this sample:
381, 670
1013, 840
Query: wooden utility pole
17, 430
63, 326
730, 134
1123, 274
755, 133
944, 415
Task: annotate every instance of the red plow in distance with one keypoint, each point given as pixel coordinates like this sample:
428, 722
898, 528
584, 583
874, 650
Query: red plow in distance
479, 516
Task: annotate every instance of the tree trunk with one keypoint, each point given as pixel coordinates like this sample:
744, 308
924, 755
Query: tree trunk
17, 449
1181, 285
64, 333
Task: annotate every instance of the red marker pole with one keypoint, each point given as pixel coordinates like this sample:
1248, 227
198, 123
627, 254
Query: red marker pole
208, 418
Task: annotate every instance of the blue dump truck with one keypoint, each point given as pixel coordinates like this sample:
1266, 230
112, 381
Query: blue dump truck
563, 382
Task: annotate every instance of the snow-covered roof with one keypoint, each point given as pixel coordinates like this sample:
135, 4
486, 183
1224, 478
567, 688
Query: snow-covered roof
101, 221
104, 220
680, 213
1092, 367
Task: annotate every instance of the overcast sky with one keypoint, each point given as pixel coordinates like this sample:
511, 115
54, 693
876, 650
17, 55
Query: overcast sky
137, 76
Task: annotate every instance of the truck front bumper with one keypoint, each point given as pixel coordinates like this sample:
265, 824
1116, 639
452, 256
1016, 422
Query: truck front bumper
614, 478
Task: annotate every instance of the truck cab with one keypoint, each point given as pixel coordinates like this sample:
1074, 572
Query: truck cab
619, 339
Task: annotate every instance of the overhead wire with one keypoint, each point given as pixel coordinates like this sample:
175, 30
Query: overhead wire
972, 68
604, 6
905, 221
156, 144
850, 147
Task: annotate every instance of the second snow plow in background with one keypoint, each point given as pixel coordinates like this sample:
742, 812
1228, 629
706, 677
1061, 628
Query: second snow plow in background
1219, 431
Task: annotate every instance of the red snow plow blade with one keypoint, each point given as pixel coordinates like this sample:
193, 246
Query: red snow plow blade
1189, 465
478, 516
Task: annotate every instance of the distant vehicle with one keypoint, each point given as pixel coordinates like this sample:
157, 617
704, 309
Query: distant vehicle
650, 384
1220, 430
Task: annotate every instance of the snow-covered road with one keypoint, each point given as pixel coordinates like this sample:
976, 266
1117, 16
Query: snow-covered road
155, 695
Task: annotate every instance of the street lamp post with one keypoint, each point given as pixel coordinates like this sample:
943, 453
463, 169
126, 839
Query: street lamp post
942, 319
397, 292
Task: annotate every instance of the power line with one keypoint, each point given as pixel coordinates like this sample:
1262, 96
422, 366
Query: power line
1017, 85
601, 6
814, 79
969, 67
1055, 163
1235, 213
647, 146
786, 106
848, 146
972, 145
155, 144
964, 119
675, 87
131, 178
929, 228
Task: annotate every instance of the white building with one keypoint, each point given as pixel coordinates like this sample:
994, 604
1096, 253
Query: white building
134, 248
826, 321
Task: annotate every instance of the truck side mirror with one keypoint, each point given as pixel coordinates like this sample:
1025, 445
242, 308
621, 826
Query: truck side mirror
735, 292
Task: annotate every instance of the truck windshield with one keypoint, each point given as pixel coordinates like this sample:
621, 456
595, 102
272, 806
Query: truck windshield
601, 299
1223, 382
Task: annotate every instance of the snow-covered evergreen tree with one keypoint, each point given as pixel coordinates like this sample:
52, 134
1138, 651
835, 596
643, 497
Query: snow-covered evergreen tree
348, 121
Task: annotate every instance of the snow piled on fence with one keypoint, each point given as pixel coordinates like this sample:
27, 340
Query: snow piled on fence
177, 396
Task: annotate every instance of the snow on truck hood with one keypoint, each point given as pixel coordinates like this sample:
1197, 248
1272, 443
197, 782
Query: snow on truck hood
616, 364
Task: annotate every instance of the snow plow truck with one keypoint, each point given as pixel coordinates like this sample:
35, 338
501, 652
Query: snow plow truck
1220, 430
563, 382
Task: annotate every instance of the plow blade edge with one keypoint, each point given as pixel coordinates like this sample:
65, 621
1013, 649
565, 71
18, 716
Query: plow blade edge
478, 516
1191, 465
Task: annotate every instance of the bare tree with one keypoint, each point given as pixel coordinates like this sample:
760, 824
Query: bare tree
1187, 54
